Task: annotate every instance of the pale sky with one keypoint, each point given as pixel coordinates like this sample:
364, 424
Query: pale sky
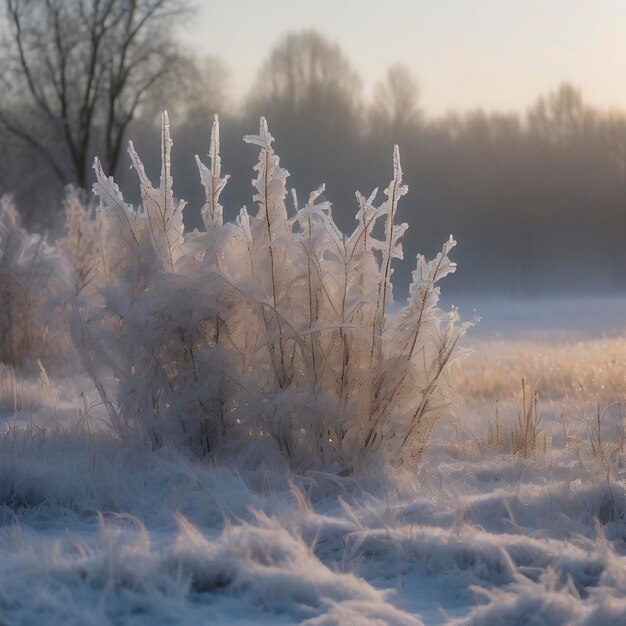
498, 54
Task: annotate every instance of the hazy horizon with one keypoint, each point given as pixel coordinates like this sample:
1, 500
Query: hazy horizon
464, 55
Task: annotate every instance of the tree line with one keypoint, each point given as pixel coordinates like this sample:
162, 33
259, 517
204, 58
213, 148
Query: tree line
535, 199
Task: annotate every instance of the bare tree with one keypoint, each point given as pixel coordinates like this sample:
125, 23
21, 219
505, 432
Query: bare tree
394, 104
305, 76
561, 116
76, 72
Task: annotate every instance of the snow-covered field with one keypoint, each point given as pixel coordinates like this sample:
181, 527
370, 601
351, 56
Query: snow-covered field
493, 528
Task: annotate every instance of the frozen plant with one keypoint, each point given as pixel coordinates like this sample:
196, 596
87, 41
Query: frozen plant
606, 449
526, 437
270, 333
81, 243
32, 273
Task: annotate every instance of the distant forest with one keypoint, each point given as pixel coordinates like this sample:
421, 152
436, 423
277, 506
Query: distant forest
537, 201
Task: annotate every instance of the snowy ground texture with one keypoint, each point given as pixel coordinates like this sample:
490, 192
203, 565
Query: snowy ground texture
93, 531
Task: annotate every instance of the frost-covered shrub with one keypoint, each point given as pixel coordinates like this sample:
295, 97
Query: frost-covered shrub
32, 276
81, 243
273, 331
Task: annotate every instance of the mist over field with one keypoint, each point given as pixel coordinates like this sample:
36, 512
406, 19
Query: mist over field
309, 344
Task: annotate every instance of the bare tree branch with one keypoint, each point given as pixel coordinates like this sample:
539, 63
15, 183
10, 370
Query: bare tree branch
25, 136
80, 70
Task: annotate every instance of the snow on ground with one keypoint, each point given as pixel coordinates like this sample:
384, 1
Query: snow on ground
95, 531
544, 317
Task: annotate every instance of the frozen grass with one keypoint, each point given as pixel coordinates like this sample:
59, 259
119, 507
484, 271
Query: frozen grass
98, 531
576, 397
95, 529
201, 555
576, 368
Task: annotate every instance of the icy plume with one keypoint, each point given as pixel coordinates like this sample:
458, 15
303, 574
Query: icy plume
269, 334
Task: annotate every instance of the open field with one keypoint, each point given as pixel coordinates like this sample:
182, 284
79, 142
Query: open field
514, 515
